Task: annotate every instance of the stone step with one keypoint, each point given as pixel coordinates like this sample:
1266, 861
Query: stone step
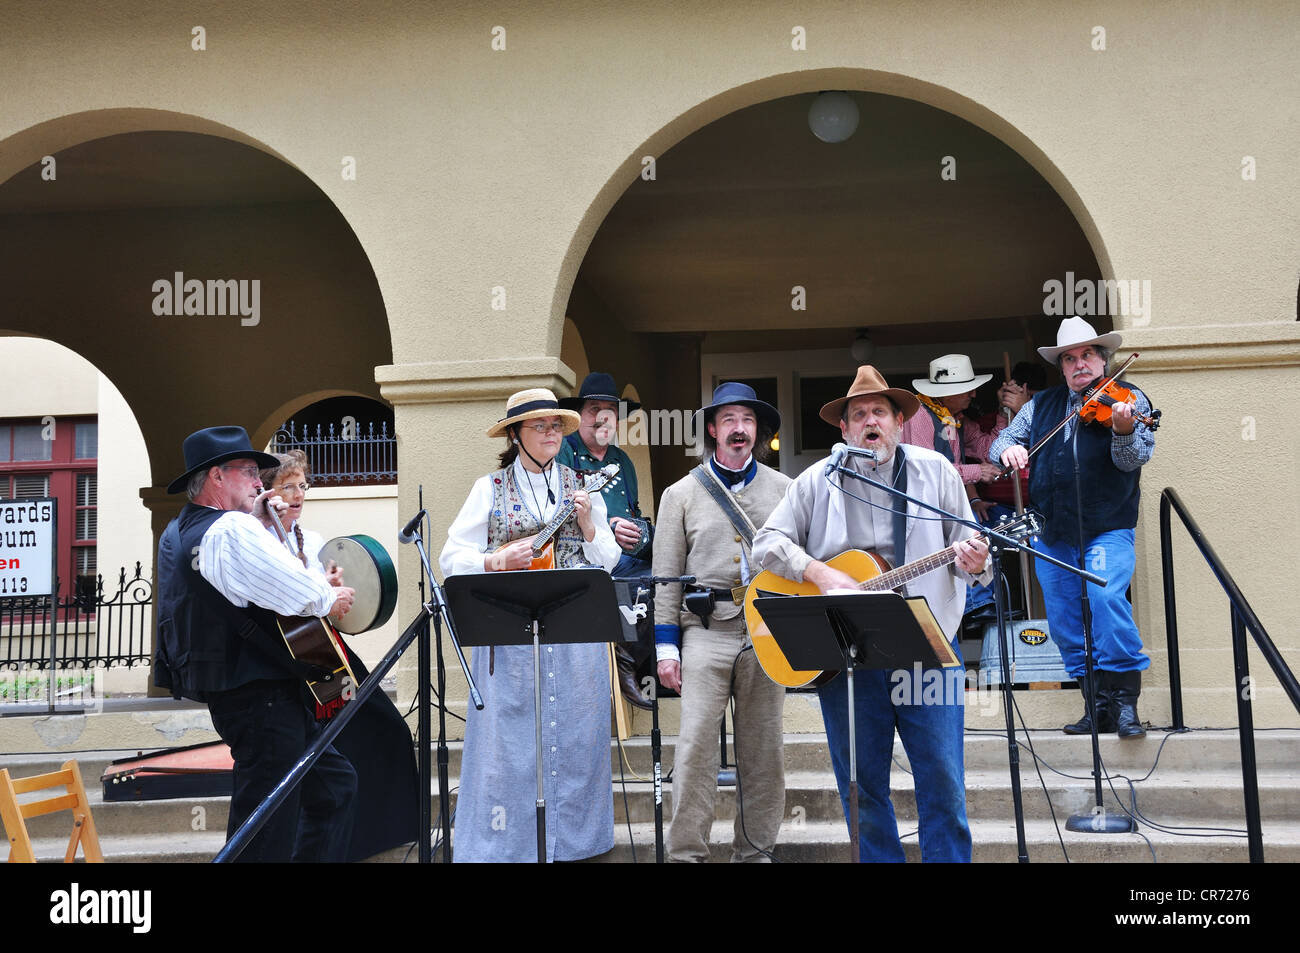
992, 842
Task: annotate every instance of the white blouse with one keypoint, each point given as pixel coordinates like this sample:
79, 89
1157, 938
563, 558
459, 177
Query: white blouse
467, 538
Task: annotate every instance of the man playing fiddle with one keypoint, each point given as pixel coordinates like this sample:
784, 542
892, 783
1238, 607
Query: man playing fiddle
1110, 463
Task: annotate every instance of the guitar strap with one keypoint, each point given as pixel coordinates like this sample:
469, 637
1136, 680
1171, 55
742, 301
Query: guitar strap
899, 507
724, 499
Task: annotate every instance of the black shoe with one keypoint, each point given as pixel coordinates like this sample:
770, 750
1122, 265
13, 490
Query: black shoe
1124, 690
627, 680
1105, 723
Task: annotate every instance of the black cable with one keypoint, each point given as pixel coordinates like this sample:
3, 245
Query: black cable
1042, 781
627, 814
740, 791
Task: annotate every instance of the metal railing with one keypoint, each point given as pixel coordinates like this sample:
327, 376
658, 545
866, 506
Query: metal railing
1243, 619
346, 457
88, 630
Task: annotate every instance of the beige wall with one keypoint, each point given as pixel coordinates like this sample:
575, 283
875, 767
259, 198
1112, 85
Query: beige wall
478, 169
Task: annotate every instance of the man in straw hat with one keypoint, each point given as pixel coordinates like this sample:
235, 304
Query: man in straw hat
816, 521
1110, 464
590, 448
492, 533
221, 580
707, 522
941, 425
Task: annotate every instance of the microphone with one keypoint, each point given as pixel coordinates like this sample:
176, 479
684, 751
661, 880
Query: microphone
408, 531
842, 451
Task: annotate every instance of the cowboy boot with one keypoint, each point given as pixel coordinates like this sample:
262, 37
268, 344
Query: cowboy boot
1125, 688
627, 679
1105, 723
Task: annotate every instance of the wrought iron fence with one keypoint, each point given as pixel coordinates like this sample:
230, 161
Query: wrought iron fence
89, 630
346, 457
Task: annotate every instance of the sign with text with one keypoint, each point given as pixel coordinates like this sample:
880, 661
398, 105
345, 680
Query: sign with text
27, 540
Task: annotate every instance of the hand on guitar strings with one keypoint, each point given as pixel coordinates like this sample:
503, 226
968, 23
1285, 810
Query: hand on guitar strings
582, 509
827, 578
516, 555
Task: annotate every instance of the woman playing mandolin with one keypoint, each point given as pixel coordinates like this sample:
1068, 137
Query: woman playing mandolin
495, 814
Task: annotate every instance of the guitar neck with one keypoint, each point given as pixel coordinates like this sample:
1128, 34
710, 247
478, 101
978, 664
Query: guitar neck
914, 570
562, 513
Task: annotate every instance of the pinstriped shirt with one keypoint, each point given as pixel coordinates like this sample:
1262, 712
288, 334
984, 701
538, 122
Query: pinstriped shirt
247, 564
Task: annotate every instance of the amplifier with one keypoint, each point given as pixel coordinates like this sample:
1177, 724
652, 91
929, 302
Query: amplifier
1032, 654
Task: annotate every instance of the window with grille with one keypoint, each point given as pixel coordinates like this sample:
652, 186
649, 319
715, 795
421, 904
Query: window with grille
57, 457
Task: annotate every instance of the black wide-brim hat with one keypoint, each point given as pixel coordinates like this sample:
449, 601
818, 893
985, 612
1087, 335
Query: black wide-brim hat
213, 445
734, 392
598, 386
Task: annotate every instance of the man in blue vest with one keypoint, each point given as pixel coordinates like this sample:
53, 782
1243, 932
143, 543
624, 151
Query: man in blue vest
1110, 463
222, 578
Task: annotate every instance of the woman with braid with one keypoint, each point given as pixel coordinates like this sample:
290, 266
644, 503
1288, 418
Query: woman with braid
377, 740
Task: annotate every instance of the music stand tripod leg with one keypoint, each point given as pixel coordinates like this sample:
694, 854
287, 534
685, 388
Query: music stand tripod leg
537, 719
853, 771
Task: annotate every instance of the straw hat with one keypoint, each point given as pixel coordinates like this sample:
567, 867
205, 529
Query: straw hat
531, 404
869, 383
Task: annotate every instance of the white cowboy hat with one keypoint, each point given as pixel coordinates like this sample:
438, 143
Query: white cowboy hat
1074, 332
530, 404
950, 374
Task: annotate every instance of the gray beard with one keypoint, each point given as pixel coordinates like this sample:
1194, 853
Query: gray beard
891, 444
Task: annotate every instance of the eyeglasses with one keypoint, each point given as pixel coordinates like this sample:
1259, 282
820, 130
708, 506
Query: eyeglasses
286, 487
250, 472
557, 427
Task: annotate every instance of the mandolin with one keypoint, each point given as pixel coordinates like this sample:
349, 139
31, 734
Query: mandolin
873, 573
544, 541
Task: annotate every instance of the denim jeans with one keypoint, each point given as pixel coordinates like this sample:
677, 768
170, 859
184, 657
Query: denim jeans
932, 736
1117, 644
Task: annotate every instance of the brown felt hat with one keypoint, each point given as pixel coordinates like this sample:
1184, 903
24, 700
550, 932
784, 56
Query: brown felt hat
869, 383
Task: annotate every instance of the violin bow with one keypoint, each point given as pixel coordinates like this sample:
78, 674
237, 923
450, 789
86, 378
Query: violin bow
1097, 391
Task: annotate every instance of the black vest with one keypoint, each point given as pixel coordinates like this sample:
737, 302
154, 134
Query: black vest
206, 644
1110, 496
940, 443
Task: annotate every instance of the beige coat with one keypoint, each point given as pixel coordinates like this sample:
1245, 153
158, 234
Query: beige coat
694, 537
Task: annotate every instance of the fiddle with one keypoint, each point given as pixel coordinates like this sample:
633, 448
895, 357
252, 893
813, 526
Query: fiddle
1101, 395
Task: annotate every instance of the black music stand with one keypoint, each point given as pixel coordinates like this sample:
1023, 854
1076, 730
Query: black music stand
557, 607
872, 630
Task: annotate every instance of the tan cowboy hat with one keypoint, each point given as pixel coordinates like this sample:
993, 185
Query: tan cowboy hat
869, 383
531, 404
1074, 332
950, 374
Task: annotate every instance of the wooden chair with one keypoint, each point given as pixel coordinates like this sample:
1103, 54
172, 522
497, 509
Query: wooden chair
15, 814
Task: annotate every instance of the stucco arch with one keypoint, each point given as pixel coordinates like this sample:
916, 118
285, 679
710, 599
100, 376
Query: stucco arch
794, 83
328, 282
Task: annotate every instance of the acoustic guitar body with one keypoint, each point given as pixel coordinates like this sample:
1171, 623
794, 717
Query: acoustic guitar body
860, 565
315, 641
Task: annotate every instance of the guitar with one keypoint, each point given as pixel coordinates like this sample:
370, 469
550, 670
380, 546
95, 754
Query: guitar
873, 574
544, 541
315, 641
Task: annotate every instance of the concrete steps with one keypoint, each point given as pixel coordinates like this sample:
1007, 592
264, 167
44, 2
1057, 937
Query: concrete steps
1196, 781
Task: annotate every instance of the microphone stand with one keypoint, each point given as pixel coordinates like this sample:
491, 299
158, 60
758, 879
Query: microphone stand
436, 608
997, 544
646, 585
1096, 821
